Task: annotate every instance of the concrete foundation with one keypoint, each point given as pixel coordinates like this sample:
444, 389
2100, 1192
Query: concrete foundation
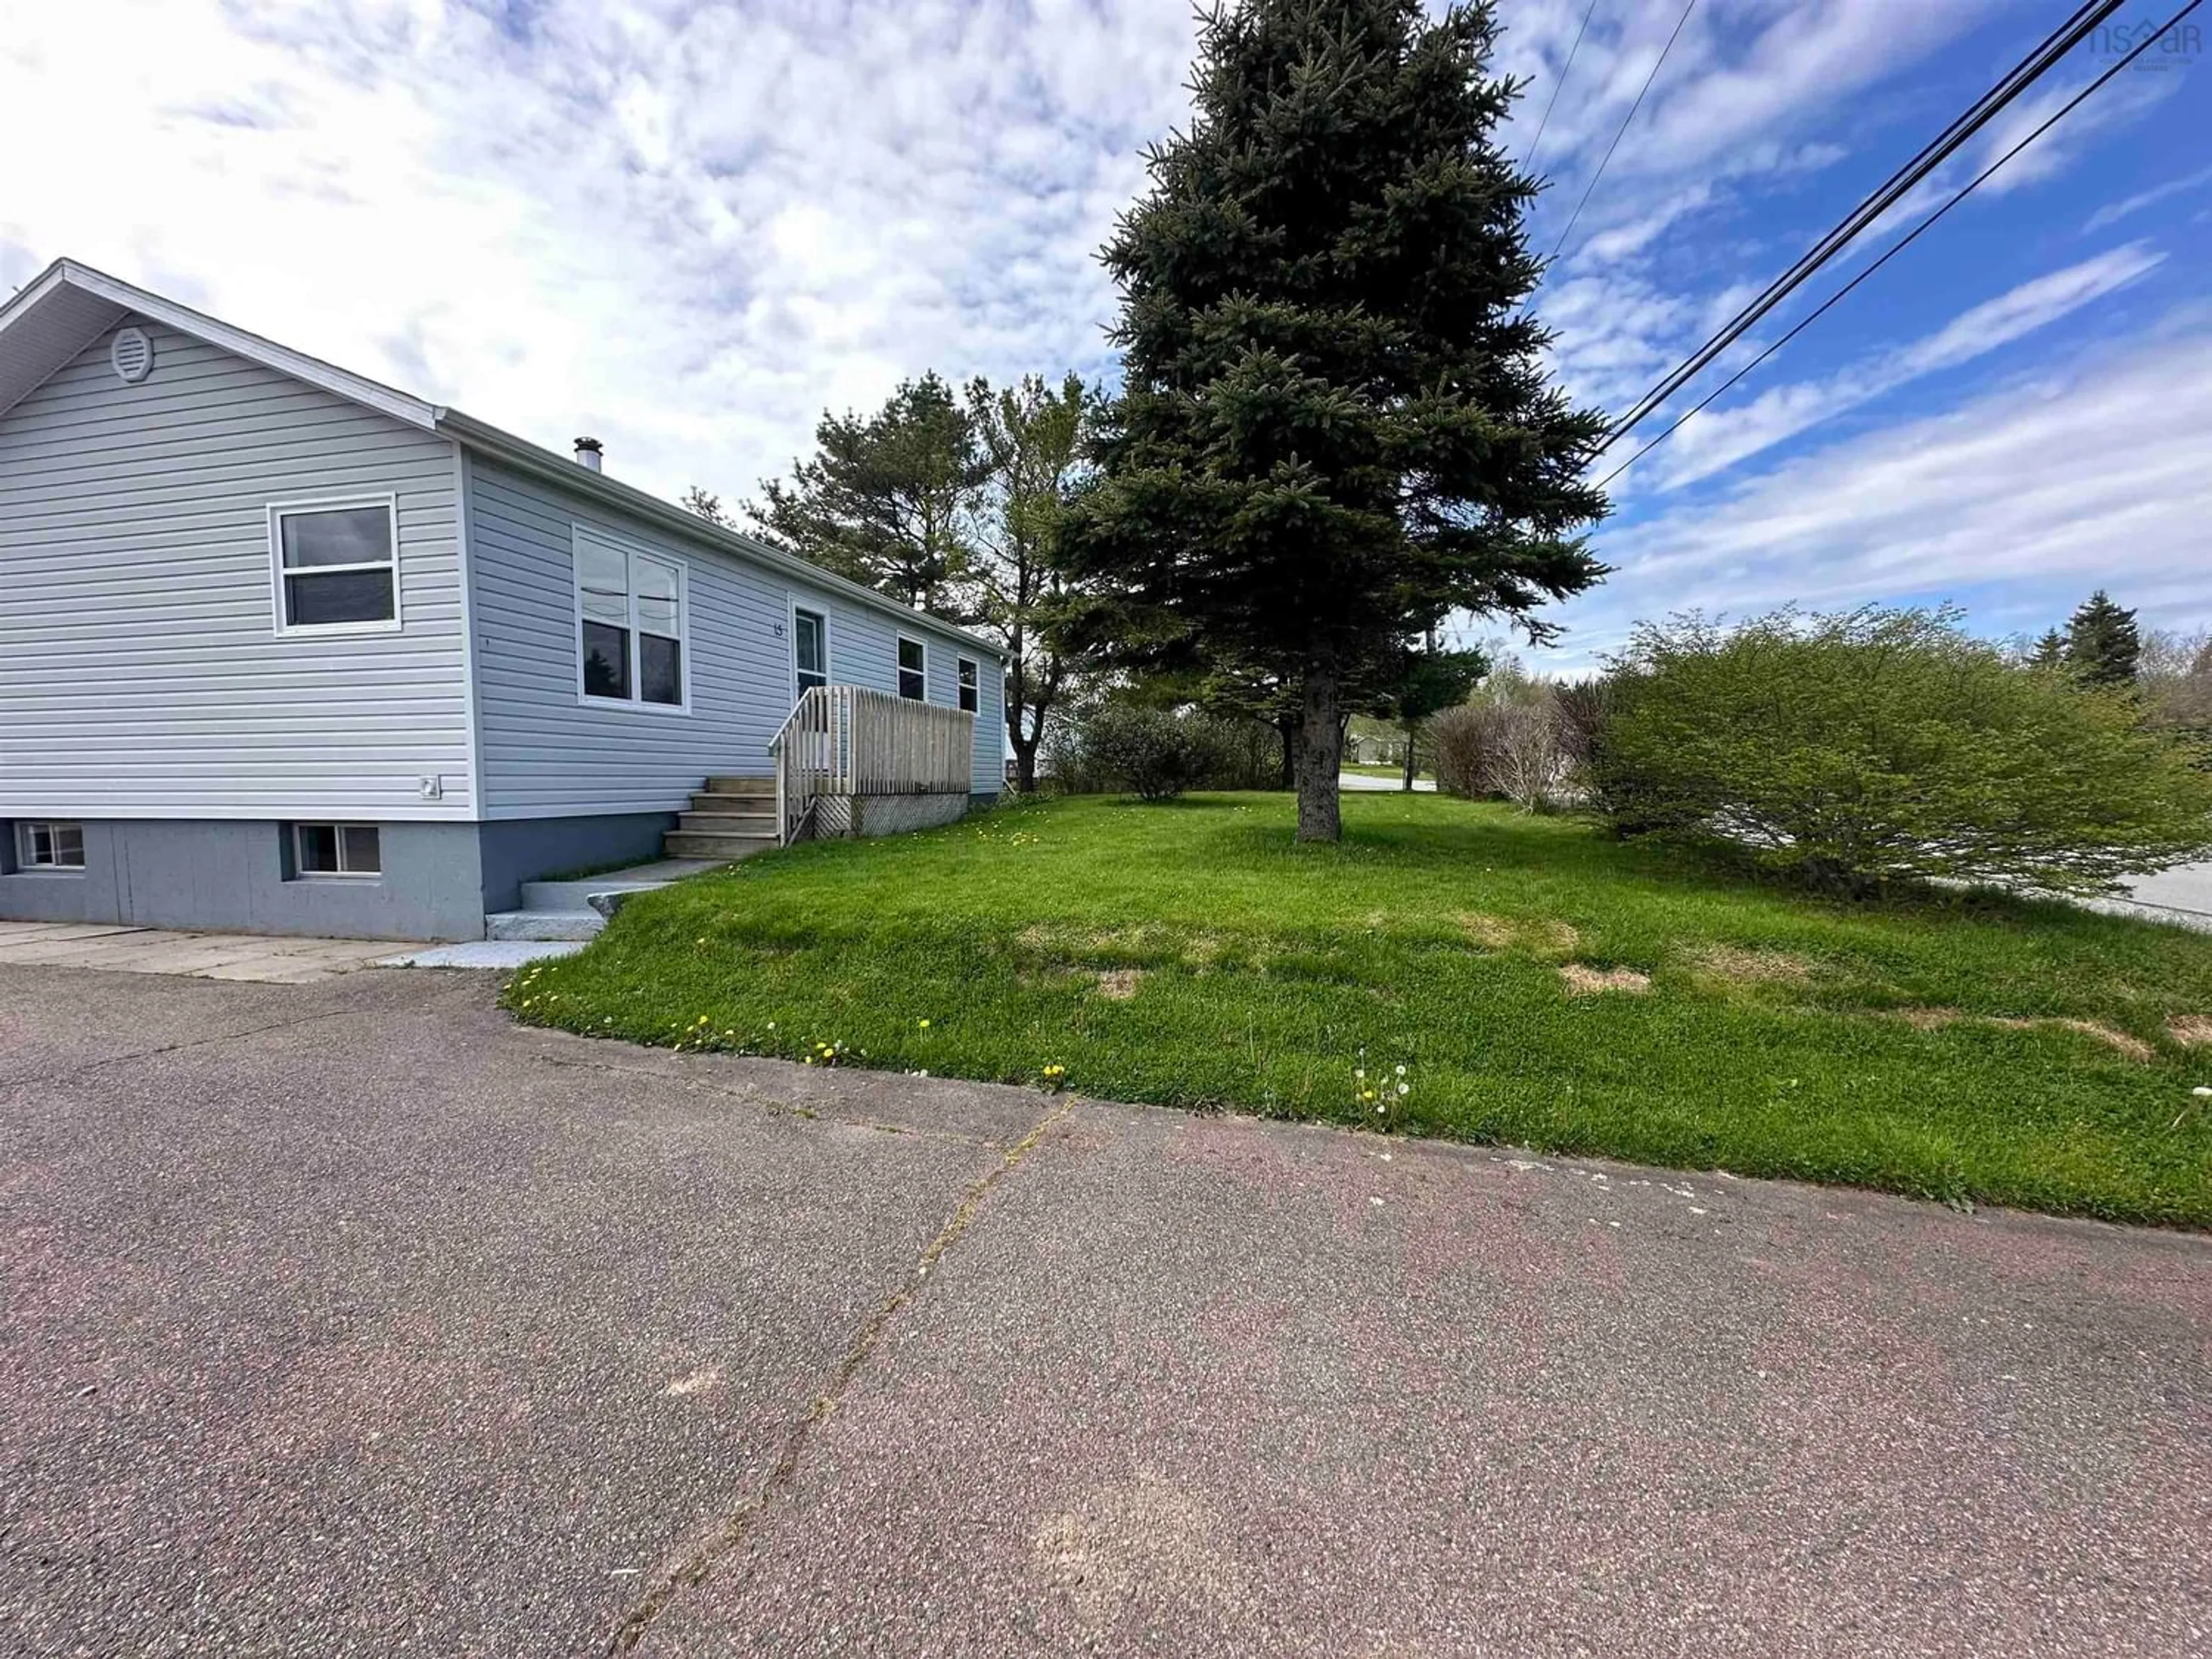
438, 880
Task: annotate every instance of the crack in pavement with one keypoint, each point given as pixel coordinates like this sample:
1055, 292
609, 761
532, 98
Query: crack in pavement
169, 1048
773, 1107
734, 1531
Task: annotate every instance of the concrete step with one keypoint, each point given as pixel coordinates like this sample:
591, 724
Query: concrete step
714, 822
638, 878
695, 844
755, 787
544, 924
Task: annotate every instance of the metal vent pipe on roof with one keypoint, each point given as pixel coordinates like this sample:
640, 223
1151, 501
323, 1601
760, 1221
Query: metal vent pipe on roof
588, 453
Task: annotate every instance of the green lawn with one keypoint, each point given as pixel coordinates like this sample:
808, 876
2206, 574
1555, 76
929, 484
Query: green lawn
1190, 954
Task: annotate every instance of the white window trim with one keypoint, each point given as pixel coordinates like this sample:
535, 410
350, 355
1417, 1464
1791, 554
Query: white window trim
299, 870
633, 704
24, 866
898, 668
976, 663
279, 511
791, 624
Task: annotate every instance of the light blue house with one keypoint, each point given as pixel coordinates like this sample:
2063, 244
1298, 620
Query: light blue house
284, 650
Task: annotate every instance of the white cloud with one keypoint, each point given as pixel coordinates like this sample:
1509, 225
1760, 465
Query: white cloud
2021, 499
1719, 437
2118, 210
687, 228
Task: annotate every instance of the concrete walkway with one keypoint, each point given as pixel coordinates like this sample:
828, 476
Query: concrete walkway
253, 957
348, 1319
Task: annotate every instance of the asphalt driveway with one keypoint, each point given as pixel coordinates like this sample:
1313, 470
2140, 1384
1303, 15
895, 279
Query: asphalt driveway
346, 1318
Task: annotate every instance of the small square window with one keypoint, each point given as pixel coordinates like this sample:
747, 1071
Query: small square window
50, 845
337, 850
971, 686
913, 670
336, 567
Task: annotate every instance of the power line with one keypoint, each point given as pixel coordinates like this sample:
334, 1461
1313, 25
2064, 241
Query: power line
1979, 114
1536, 144
1607, 158
1903, 242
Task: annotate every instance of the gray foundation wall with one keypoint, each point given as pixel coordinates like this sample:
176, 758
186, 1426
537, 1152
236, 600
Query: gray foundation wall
438, 882
221, 875
516, 850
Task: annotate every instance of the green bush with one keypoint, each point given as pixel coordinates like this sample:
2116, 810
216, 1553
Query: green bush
1156, 754
1149, 752
1236, 753
1880, 745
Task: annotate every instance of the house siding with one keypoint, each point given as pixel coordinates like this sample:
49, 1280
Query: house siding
140, 667
544, 752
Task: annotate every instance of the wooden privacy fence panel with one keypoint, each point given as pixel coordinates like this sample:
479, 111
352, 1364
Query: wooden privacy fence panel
846, 740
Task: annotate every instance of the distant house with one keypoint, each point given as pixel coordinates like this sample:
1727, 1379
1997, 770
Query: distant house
285, 650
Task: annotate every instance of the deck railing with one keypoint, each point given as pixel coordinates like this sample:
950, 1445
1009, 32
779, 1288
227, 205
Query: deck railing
846, 740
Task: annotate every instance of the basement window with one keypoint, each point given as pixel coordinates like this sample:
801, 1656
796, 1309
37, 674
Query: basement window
337, 850
49, 847
337, 566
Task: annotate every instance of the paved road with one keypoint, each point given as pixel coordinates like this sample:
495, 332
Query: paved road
2187, 888
1359, 783
346, 1319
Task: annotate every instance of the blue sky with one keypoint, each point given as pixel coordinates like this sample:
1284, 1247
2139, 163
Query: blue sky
688, 227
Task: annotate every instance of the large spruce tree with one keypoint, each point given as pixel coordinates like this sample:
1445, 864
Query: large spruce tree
1335, 426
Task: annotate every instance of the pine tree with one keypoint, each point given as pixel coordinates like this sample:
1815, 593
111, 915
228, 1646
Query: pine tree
886, 499
2048, 652
2102, 646
1336, 427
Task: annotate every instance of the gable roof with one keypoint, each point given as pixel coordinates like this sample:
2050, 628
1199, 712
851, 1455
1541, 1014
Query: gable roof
68, 305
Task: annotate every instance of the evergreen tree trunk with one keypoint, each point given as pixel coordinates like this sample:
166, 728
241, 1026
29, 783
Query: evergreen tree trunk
1413, 740
1320, 758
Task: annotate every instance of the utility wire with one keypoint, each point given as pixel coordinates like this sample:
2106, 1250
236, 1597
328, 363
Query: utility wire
1903, 242
1623, 130
1980, 113
1536, 144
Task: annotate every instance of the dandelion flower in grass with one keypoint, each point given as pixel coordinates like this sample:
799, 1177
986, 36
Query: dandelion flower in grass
922, 1024
1404, 1088
2201, 1092
1401, 1071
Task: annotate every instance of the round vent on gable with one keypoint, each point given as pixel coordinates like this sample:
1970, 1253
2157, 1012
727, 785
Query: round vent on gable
132, 356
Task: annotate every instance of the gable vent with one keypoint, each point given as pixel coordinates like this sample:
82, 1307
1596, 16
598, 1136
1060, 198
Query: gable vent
132, 355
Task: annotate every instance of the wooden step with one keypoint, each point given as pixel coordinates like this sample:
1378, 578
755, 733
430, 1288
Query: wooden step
708, 801
697, 844
714, 822
740, 786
